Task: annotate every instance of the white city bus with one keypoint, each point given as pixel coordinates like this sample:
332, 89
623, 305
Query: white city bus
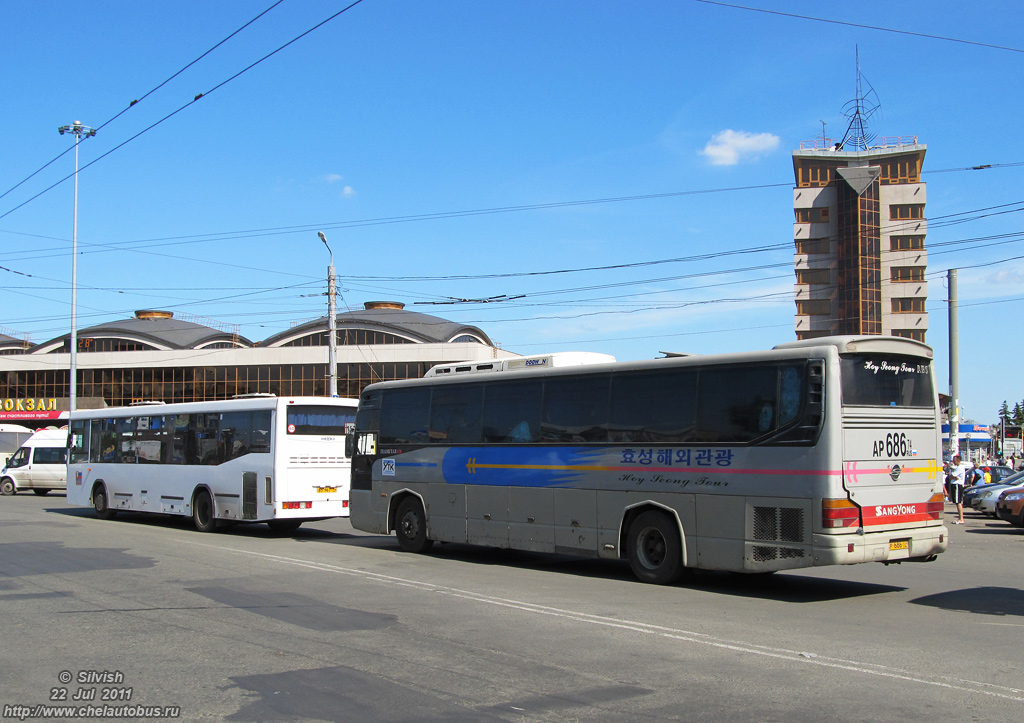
817, 452
265, 459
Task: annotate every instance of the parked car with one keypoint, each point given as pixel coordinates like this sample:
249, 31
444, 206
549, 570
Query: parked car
999, 472
1010, 506
974, 493
40, 464
986, 503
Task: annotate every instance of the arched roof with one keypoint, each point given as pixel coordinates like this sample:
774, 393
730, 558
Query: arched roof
156, 328
10, 342
388, 317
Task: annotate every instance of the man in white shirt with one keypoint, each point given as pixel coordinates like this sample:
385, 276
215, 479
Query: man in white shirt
957, 473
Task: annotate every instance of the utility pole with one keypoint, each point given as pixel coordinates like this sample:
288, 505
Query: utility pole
78, 130
332, 323
954, 371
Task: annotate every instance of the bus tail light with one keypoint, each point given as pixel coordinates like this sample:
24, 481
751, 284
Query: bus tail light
296, 505
935, 506
839, 513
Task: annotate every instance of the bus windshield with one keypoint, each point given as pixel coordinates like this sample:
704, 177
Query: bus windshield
880, 380
319, 419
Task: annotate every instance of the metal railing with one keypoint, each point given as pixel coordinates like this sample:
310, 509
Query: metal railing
824, 144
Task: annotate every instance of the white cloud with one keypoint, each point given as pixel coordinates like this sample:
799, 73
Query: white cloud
347, 191
730, 147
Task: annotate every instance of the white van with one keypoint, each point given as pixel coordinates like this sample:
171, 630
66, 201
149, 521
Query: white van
40, 464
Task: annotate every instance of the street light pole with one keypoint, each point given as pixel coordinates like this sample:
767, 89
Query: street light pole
332, 323
78, 130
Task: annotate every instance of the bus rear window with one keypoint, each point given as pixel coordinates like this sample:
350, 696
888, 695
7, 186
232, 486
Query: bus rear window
316, 419
878, 380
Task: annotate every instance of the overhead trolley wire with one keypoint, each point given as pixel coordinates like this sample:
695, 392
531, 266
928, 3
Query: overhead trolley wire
140, 99
862, 25
182, 108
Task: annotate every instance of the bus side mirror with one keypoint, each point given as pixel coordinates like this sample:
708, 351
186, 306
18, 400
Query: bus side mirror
350, 444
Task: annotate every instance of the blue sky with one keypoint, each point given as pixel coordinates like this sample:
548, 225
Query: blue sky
454, 149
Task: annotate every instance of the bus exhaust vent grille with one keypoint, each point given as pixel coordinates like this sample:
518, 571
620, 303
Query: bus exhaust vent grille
765, 553
779, 524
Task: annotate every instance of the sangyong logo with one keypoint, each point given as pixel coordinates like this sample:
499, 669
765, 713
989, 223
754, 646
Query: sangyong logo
895, 472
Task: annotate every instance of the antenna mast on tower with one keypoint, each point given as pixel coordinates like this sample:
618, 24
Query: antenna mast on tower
859, 111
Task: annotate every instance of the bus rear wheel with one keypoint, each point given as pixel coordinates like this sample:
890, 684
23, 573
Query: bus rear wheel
7, 487
101, 504
655, 548
411, 526
202, 512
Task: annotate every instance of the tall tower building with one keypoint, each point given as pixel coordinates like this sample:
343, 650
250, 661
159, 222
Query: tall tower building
859, 232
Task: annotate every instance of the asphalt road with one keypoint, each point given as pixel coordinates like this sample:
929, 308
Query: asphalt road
335, 625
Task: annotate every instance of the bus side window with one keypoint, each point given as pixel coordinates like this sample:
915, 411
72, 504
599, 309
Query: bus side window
405, 416
455, 414
790, 393
233, 437
107, 441
368, 416
576, 410
512, 411
79, 441
259, 432
151, 440
179, 446
736, 404
203, 429
125, 430
653, 407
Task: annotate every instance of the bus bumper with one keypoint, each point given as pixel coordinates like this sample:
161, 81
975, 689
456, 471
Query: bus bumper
919, 544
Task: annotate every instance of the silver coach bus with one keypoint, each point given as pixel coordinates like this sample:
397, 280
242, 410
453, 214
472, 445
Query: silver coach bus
816, 452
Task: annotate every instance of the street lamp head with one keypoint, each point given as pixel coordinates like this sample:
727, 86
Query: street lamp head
321, 235
78, 130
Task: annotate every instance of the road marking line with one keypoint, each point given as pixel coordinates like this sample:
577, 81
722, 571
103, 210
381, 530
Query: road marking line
795, 656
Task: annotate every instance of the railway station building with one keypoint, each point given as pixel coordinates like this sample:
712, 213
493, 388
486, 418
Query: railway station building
155, 356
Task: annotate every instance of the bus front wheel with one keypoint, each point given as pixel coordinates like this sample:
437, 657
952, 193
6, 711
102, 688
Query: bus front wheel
101, 504
655, 548
411, 526
7, 487
202, 512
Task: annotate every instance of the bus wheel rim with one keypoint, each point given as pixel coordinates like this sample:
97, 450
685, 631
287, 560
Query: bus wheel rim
652, 548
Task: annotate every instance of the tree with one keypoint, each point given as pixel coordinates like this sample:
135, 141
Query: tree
1004, 413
